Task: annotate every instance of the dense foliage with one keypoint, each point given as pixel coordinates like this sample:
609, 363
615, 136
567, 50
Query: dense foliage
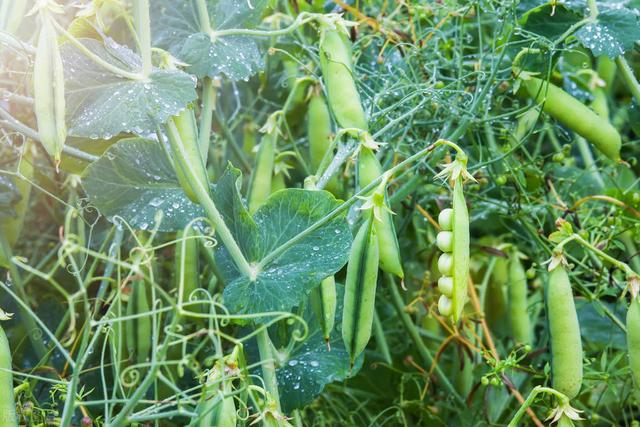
296, 212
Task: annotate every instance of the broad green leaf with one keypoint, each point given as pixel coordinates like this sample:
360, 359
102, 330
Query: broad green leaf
284, 281
175, 27
549, 22
598, 329
614, 33
101, 104
134, 179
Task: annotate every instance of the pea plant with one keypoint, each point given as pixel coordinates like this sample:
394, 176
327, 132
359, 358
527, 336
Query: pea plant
319, 213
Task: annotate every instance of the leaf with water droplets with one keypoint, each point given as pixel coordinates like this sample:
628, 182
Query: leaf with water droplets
614, 33
134, 180
101, 104
283, 282
175, 27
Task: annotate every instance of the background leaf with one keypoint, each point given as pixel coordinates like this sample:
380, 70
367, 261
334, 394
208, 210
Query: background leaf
613, 34
134, 179
101, 104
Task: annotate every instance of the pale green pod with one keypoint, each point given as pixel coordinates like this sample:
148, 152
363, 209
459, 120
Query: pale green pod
360, 290
323, 303
48, 91
8, 416
337, 71
318, 130
260, 187
633, 339
461, 241
576, 116
518, 314
564, 331
182, 131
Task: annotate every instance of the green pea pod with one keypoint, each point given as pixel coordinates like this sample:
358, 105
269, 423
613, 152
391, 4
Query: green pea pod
8, 416
260, 187
337, 71
369, 169
48, 91
564, 331
319, 129
453, 264
138, 330
518, 314
323, 302
576, 116
633, 339
182, 131
187, 270
360, 290
495, 303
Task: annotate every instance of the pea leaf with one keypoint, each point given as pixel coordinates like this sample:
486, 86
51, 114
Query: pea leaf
175, 27
548, 21
284, 281
101, 104
134, 179
614, 33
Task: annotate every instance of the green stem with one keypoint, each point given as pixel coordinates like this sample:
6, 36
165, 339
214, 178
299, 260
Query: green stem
209, 207
203, 16
424, 352
206, 117
589, 163
628, 77
302, 19
268, 364
381, 339
95, 58
621, 265
143, 30
532, 396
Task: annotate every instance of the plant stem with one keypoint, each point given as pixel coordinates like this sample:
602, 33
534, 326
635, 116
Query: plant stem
302, 19
203, 16
209, 207
95, 58
268, 364
424, 352
527, 403
628, 77
143, 30
206, 117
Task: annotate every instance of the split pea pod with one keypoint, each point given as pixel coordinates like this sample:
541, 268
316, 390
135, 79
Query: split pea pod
337, 72
518, 314
48, 90
8, 416
633, 338
564, 331
453, 264
182, 131
360, 290
260, 187
575, 115
369, 169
